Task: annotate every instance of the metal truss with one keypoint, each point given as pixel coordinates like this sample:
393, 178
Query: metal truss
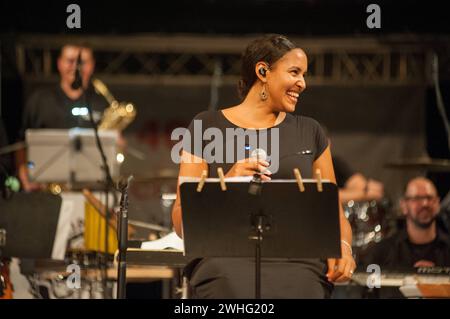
197, 60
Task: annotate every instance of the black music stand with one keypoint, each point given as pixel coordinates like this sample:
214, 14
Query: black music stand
280, 223
29, 222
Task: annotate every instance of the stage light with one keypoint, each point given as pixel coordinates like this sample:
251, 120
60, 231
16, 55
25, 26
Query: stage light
80, 111
120, 158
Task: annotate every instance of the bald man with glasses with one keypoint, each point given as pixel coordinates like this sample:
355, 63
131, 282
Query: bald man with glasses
420, 243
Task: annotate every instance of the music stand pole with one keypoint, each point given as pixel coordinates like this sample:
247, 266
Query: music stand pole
259, 228
257, 224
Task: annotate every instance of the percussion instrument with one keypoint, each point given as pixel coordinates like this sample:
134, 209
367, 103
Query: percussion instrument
368, 220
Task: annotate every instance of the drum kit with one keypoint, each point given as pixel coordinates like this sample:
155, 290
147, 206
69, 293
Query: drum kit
368, 220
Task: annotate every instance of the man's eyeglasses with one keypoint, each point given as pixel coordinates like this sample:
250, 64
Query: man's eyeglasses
74, 61
417, 199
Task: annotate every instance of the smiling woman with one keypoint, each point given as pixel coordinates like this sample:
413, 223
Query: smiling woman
273, 77
285, 79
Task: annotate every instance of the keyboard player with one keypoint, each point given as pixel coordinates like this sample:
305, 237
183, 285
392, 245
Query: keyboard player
420, 243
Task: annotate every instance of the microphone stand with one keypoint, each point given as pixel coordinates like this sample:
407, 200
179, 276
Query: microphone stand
439, 100
108, 185
445, 203
78, 84
258, 221
123, 239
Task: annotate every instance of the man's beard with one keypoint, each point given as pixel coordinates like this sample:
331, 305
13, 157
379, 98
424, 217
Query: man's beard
423, 225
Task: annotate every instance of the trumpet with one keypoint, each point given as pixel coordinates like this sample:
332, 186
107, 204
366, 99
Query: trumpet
119, 114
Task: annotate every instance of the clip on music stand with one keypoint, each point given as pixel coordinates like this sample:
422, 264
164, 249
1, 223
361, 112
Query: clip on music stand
28, 224
233, 223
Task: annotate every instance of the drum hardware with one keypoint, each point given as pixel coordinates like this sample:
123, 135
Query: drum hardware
53, 280
86, 259
368, 220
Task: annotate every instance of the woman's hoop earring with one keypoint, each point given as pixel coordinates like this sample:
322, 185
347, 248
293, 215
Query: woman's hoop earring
263, 94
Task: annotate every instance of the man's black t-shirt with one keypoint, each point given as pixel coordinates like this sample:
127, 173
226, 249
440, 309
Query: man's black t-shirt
398, 253
51, 108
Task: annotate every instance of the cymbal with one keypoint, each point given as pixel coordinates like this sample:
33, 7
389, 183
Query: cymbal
422, 163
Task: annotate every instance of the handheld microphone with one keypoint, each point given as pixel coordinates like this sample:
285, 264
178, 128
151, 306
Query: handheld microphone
256, 183
77, 82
